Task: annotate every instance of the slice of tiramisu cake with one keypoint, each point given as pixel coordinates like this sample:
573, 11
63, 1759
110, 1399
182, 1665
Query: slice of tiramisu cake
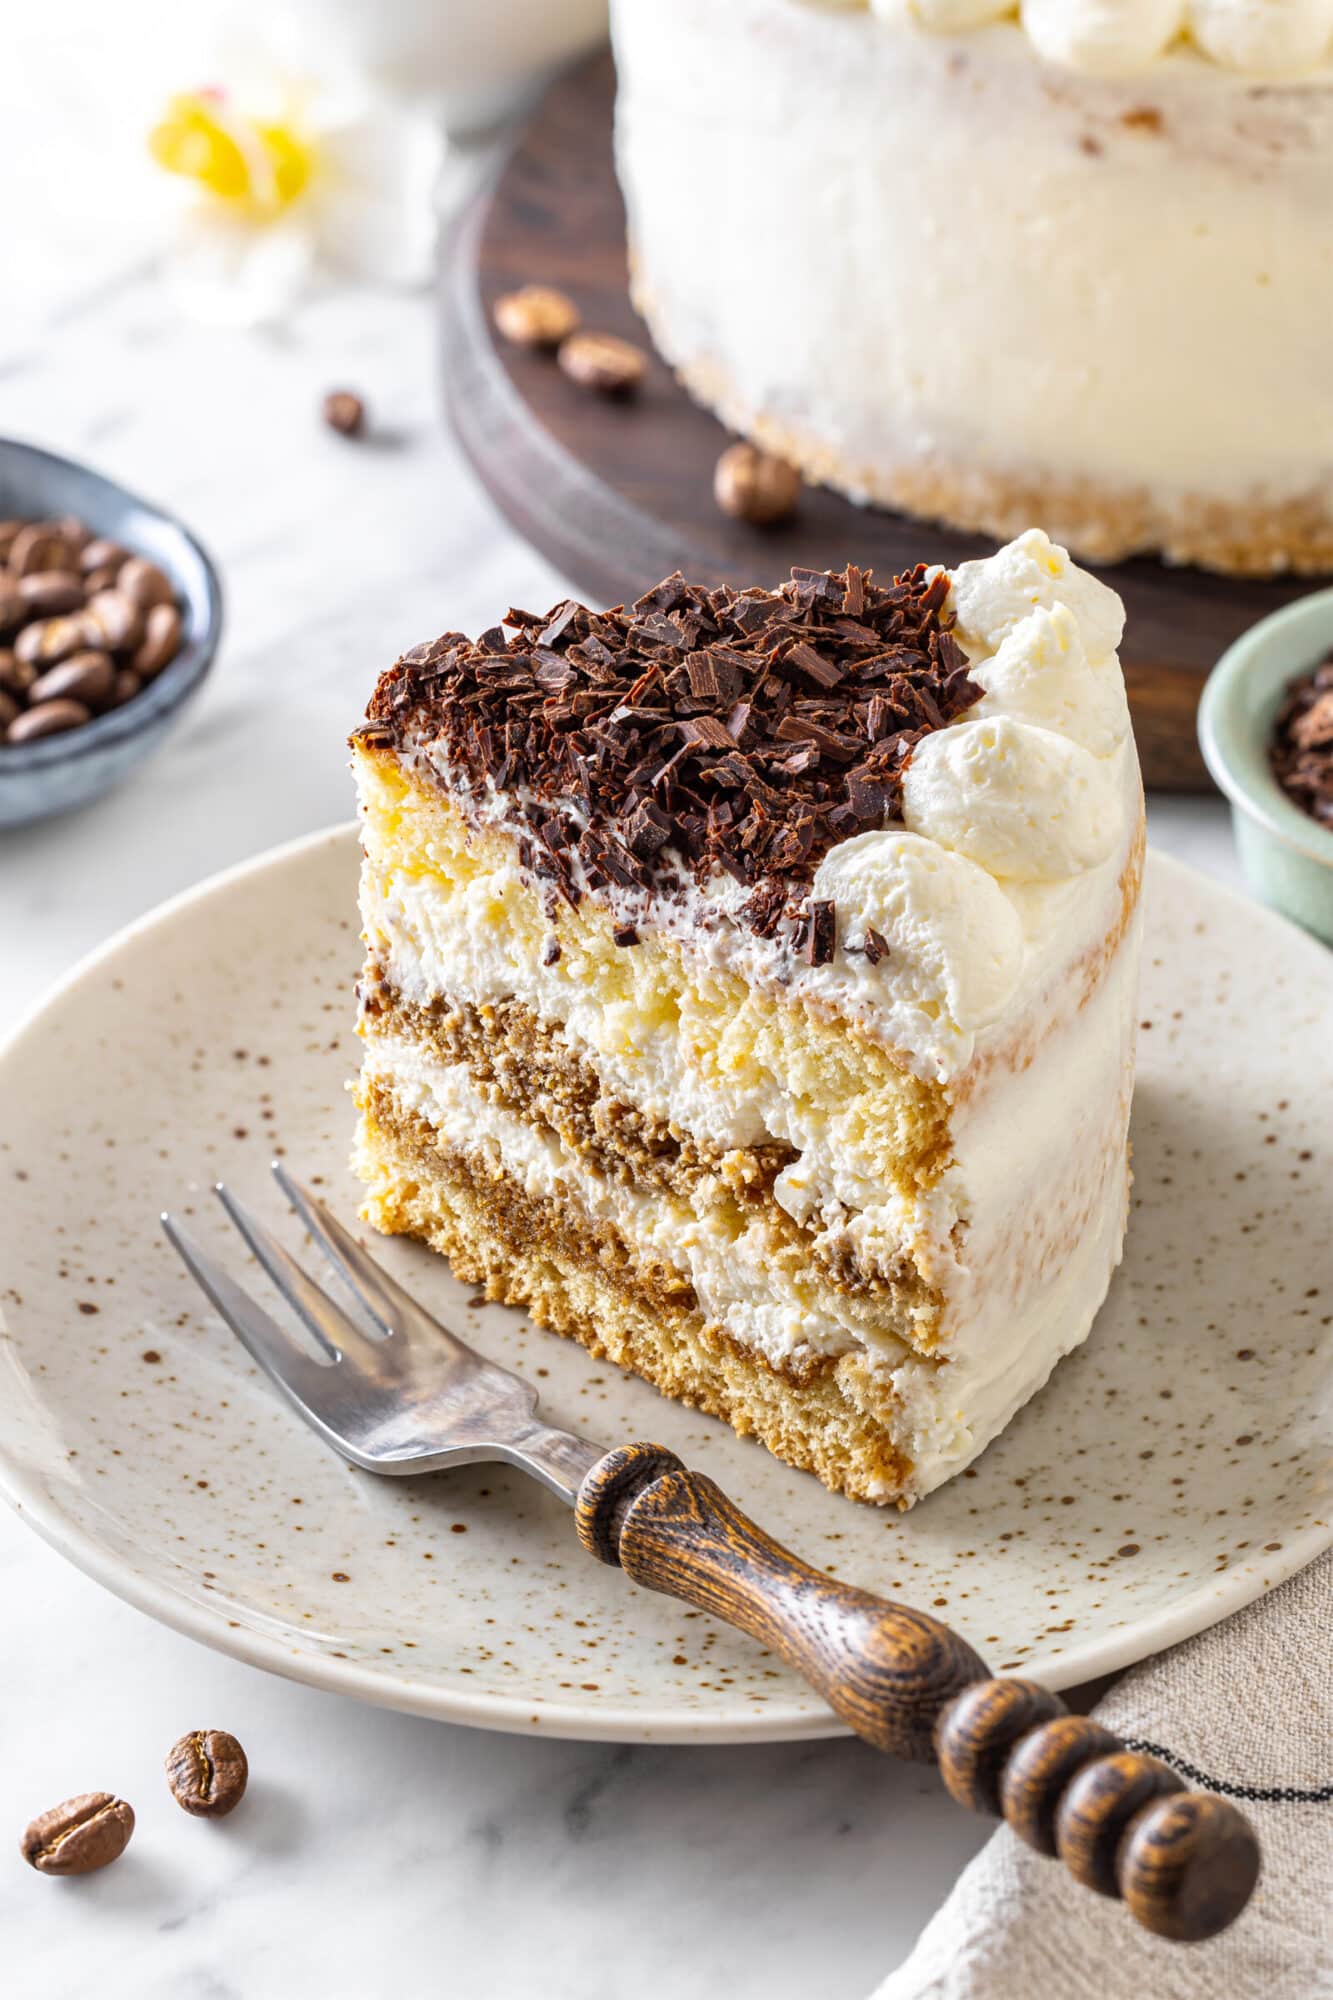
750, 990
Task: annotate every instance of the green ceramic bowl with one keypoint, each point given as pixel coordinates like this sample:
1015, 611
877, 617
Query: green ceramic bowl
1286, 855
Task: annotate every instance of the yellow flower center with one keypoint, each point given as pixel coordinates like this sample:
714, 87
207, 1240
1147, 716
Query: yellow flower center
203, 138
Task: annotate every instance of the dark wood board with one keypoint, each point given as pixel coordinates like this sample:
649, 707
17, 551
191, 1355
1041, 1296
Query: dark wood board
619, 494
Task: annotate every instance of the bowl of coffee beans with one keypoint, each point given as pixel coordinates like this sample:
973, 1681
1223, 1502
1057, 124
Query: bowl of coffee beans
110, 615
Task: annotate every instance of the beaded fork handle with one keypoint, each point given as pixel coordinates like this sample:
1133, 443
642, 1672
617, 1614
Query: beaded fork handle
1185, 1863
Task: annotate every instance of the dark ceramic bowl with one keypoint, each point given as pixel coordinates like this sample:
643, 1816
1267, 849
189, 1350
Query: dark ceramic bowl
56, 773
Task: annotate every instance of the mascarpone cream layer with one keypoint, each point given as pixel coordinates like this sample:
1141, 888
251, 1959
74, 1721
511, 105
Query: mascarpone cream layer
913, 251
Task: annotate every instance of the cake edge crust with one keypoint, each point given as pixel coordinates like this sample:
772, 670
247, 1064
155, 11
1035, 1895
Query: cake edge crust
1098, 523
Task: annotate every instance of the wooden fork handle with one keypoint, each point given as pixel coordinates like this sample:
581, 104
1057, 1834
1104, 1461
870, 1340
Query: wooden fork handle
1185, 1863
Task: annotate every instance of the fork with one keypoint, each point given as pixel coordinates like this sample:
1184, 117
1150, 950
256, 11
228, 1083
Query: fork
396, 1392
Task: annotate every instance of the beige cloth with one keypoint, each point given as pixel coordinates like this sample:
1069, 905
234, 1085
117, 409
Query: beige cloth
1249, 1704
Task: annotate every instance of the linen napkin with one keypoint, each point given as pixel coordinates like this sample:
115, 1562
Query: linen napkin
1245, 1710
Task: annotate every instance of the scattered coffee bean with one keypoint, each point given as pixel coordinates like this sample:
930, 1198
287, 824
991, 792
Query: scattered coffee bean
40, 545
85, 623
753, 485
48, 592
602, 361
118, 619
144, 583
161, 642
49, 718
207, 1771
82, 1834
87, 677
536, 316
102, 554
344, 413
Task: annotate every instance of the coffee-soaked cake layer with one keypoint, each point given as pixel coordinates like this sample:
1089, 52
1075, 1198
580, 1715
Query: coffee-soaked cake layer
579, 1276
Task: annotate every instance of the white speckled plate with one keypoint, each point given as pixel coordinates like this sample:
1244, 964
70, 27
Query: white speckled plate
1175, 1467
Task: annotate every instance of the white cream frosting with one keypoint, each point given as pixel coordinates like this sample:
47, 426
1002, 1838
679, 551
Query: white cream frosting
1263, 37
1041, 673
1021, 802
1104, 292
996, 593
1123, 37
1102, 37
954, 939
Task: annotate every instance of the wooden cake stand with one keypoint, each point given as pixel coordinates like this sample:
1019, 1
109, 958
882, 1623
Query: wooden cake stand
619, 494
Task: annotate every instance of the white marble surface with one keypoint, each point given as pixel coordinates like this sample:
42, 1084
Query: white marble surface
376, 1854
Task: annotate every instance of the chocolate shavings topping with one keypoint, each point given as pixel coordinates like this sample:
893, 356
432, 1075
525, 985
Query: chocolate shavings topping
748, 731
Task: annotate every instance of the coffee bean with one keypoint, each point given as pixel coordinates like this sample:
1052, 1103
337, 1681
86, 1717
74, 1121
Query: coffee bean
87, 677
536, 316
49, 640
8, 536
12, 609
47, 720
344, 412
118, 620
82, 1834
40, 545
102, 553
77, 533
16, 676
602, 361
101, 579
207, 1771
9, 708
48, 592
162, 641
753, 485
144, 583
124, 688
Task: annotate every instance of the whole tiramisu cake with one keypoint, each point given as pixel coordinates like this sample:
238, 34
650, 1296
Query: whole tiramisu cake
1070, 262
751, 989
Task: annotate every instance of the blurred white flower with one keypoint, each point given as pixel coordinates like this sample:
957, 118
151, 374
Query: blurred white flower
287, 169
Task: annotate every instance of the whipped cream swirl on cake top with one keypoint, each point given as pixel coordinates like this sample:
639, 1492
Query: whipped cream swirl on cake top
1262, 38
1033, 796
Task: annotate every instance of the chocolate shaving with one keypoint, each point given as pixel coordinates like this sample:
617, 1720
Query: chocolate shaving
823, 938
874, 946
698, 730
1301, 752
